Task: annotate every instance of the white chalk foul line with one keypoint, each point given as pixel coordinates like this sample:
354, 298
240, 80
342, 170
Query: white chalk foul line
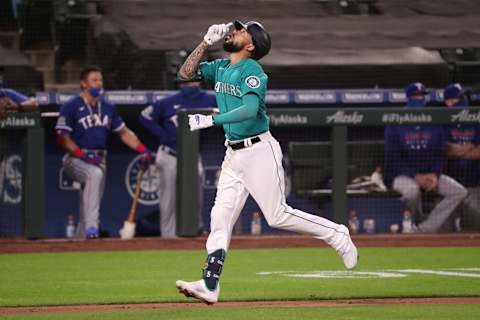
334, 274
441, 273
401, 273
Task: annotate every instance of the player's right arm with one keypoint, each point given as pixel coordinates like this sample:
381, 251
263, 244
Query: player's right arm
150, 117
63, 128
190, 66
214, 34
69, 145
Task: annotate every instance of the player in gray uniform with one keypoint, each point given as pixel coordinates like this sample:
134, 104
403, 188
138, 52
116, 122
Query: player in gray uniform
160, 119
82, 129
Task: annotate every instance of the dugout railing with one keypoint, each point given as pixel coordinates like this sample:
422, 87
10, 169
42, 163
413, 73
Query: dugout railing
338, 120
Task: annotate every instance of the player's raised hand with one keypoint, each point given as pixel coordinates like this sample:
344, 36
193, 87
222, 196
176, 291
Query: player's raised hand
216, 32
199, 121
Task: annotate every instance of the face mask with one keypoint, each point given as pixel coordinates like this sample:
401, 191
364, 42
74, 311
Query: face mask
415, 103
95, 92
190, 91
463, 102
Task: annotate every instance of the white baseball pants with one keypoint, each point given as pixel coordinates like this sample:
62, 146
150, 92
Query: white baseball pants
257, 170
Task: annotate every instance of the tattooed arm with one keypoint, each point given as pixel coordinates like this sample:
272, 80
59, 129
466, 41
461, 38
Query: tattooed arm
214, 34
190, 65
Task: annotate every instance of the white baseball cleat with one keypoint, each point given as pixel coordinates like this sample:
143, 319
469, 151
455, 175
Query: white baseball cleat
348, 251
198, 290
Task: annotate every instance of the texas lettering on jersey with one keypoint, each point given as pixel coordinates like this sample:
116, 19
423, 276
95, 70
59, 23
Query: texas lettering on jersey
88, 126
95, 120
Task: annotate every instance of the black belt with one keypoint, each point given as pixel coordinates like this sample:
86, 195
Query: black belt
241, 144
168, 150
100, 152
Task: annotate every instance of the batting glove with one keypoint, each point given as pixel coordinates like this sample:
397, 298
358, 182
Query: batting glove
92, 158
216, 32
146, 160
199, 121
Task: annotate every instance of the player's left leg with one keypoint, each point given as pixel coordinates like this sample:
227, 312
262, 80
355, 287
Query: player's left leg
471, 210
453, 194
263, 176
80, 231
91, 177
201, 182
229, 201
167, 169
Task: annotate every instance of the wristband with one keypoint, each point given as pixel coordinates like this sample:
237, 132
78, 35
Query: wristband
78, 153
140, 148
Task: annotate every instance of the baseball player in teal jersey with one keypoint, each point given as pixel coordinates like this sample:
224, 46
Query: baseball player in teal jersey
253, 159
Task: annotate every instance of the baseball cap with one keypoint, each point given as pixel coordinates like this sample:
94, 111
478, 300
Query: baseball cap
260, 37
452, 91
415, 89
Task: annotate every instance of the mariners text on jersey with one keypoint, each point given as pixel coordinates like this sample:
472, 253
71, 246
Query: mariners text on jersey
227, 88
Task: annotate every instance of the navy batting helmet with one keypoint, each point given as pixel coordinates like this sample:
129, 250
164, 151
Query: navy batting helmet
452, 91
260, 37
416, 88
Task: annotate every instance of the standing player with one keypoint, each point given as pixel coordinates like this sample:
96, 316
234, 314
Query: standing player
161, 121
82, 129
253, 160
463, 156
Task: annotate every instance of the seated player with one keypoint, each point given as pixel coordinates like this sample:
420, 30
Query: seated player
415, 156
82, 129
463, 157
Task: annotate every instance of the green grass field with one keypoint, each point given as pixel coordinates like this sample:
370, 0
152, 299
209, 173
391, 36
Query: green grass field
149, 276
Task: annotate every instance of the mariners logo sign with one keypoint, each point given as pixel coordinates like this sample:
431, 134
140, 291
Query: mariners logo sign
148, 185
11, 180
253, 82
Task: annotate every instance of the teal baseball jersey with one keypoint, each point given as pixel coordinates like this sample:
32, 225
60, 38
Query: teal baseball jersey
232, 82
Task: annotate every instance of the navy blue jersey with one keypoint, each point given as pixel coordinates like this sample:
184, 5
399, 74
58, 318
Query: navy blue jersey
160, 119
14, 95
467, 172
414, 149
88, 126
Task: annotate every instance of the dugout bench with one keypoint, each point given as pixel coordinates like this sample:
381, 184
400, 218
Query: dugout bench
312, 168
